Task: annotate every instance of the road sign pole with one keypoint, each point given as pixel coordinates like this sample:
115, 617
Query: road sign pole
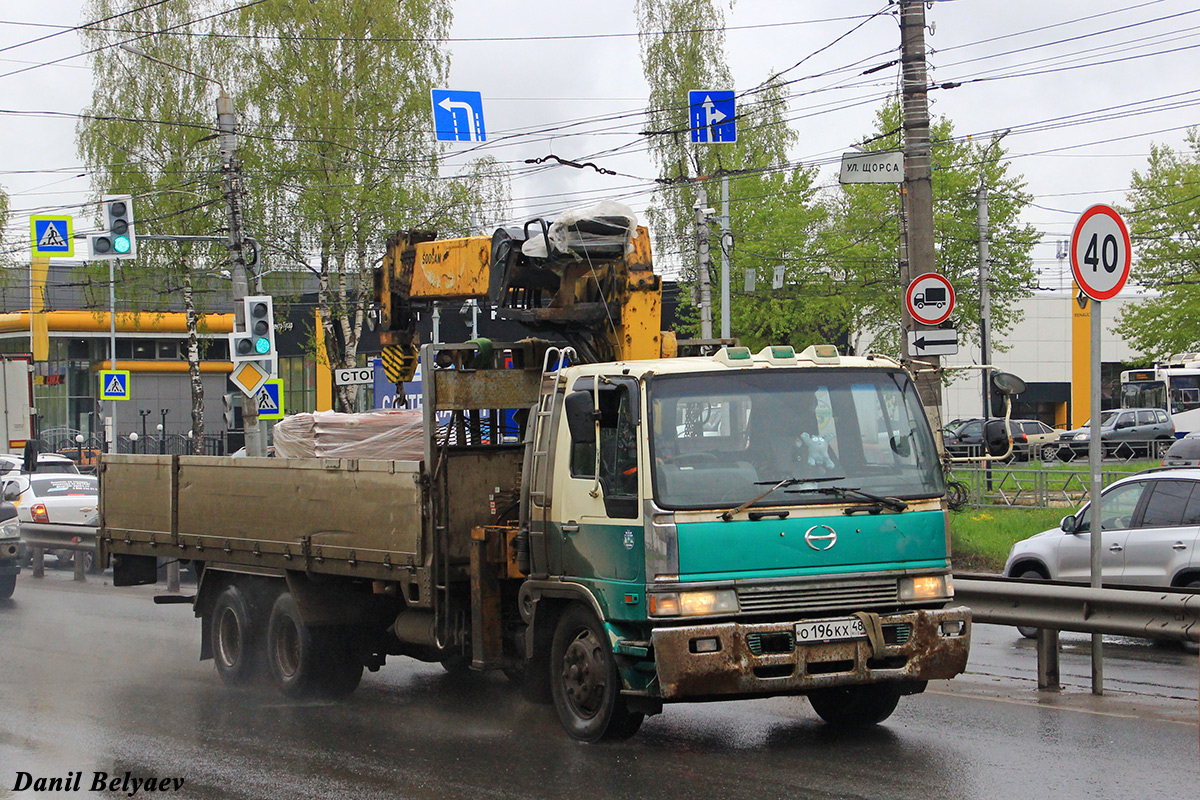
112, 349
1095, 461
704, 262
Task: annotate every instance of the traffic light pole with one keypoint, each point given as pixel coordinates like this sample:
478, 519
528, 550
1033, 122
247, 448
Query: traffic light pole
231, 175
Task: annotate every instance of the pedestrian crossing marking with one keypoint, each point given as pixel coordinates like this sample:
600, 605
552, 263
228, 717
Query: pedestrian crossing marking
270, 399
52, 238
114, 384
266, 402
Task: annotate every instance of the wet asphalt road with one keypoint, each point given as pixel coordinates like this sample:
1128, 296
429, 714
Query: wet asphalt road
94, 678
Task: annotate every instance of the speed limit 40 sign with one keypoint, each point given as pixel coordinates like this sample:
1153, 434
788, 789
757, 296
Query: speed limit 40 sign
1100, 252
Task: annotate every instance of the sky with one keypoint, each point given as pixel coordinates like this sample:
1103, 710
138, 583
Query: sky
1084, 89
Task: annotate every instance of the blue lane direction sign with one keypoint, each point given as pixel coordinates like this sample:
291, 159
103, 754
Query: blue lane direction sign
114, 384
458, 116
713, 118
52, 236
270, 399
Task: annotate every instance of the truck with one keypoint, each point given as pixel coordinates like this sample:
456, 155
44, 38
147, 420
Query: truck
662, 530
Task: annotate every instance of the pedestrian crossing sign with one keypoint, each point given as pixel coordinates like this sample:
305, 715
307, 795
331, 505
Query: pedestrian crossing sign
270, 399
52, 236
114, 384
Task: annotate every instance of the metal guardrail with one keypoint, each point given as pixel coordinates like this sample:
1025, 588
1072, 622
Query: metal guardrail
49, 536
1052, 606
1026, 487
1157, 613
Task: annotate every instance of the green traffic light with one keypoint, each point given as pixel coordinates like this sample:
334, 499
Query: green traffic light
262, 346
121, 244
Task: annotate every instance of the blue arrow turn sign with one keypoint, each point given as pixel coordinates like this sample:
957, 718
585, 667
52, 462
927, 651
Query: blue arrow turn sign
713, 117
458, 116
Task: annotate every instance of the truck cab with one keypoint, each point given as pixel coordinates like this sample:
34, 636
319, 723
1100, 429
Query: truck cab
740, 525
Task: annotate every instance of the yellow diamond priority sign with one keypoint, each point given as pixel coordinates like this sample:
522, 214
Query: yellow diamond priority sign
249, 377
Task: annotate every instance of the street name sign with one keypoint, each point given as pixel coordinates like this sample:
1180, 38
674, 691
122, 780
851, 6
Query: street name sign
1100, 252
930, 298
882, 167
356, 375
936, 342
713, 115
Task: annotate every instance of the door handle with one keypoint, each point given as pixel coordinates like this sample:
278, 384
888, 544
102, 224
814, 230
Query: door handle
1116, 548
1179, 546
570, 527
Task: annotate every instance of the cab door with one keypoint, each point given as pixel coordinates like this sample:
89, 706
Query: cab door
598, 505
1165, 541
1120, 508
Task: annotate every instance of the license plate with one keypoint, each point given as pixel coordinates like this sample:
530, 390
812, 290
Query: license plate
830, 630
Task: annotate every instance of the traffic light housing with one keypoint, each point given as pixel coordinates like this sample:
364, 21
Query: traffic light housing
257, 341
118, 239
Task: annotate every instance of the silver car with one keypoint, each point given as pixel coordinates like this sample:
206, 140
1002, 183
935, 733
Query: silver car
1151, 532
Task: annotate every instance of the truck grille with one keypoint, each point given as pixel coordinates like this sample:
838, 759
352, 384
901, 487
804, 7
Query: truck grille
760, 643
794, 599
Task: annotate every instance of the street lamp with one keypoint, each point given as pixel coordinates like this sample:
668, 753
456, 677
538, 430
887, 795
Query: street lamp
79, 448
133, 441
145, 412
162, 442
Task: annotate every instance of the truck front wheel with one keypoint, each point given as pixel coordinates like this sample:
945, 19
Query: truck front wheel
235, 637
584, 680
8, 583
855, 706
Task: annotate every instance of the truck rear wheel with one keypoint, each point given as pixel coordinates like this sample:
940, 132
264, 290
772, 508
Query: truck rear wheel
236, 638
584, 680
855, 706
309, 661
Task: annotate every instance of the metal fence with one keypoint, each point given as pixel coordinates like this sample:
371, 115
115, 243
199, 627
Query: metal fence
85, 450
1027, 486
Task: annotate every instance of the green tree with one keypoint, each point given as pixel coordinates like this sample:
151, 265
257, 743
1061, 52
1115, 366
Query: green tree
340, 146
147, 134
776, 216
1164, 219
866, 250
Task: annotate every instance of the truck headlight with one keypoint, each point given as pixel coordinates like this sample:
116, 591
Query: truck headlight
10, 528
693, 604
926, 587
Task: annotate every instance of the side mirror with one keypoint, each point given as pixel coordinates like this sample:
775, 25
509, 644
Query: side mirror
900, 446
1008, 383
580, 409
1068, 524
995, 437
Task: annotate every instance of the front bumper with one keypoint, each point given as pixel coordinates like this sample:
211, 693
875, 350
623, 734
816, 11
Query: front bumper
763, 658
10, 550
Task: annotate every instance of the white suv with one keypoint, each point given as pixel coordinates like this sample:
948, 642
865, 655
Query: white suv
1151, 536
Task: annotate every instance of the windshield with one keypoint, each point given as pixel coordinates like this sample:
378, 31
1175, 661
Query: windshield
715, 437
1144, 394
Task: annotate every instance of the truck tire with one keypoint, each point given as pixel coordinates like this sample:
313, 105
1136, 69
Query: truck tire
8, 583
308, 662
292, 651
236, 638
855, 706
584, 681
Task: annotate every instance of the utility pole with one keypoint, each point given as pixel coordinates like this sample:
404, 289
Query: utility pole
232, 179
918, 183
725, 245
985, 298
705, 261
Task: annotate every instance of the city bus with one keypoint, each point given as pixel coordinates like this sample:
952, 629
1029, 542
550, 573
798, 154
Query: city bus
1174, 386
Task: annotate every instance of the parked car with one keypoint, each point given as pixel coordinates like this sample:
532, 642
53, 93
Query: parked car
1123, 431
1183, 452
60, 498
1150, 537
1037, 436
966, 439
46, 462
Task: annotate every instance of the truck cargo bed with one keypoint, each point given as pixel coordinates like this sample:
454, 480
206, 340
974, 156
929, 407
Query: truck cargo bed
336, 516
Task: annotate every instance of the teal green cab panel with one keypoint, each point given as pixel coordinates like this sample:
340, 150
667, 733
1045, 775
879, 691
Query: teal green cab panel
775, 547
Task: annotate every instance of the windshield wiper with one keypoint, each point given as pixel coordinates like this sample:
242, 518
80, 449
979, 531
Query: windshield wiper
733, 512
892, 503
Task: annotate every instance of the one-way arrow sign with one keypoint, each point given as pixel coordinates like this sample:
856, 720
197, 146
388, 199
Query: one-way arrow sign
937, 342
